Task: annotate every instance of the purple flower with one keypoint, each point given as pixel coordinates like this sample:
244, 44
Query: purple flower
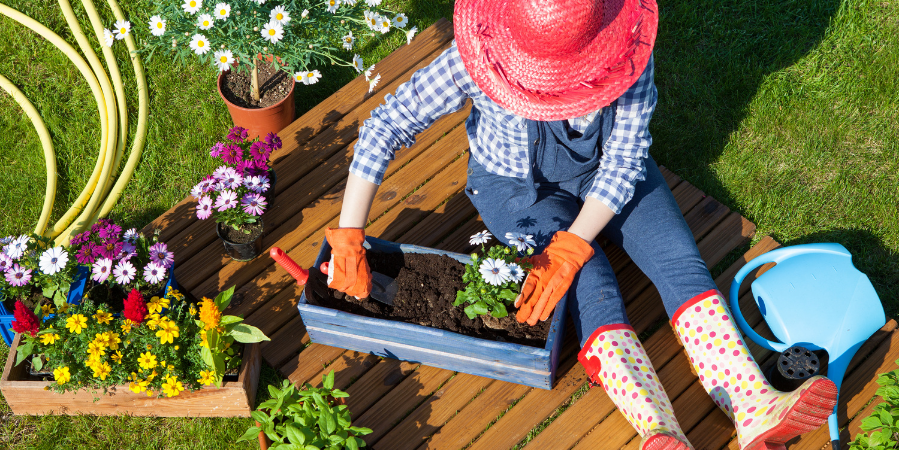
204, 208
80, 238
153, 273
226, 200
257, 183
242, 167
273, 141
160, 254
258, 168
131, 235
110, 231
216, 150
232, 154
85, 254
18, 275
237, 134
101, 270
229, 178
109, 248
5, 262
260, 151
101, 224
253, 203
128, 251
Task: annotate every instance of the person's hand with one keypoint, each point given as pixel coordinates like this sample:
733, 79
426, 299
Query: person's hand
553, 272
349, 272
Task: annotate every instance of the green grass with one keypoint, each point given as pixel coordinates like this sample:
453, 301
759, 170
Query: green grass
786, 111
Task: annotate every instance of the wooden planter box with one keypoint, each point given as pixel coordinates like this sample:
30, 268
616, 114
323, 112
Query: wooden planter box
515, 363
26, 395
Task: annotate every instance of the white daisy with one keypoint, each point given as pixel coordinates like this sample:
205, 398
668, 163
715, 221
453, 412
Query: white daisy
516, 273
384, 23
332, 6
259, 2
521, 241
411, 34
372, 2
53, 260
5, 263
222, 11
312, 77
400, 20
349, 2
273, 32
16, 247
368, 72
192, 6
357, 63
157, 26
205, 21
480, 238
373, 82
495, 271
304, 13
223, 60
279, 14
154, 273
348, 41
122, 28
299, 76
101, 270
108, 37
124, 272
199, 44
131, 235
371, 19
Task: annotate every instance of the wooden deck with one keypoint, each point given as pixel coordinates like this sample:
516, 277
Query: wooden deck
421, 202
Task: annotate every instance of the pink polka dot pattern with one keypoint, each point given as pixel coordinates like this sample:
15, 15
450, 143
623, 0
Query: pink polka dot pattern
614, 358
726, 369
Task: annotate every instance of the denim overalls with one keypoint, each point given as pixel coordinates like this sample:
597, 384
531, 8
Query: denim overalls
650, 228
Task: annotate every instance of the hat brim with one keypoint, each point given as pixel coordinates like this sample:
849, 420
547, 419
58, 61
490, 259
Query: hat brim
558, 86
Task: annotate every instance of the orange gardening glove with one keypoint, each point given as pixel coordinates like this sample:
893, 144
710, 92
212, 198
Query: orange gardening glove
349, 272
553, 272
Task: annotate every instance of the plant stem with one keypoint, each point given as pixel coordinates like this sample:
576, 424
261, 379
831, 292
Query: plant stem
254, 84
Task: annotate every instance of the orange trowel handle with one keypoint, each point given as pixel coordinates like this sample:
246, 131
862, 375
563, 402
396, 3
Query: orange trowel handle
299, 273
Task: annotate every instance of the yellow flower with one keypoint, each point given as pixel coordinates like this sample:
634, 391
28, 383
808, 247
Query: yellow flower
170, 368
209, 314
126, 326
192, 310
112, 340
207, 377
177, 347
156, 304
62, 375
204, 342
96, 349
168, 331
103, 317
147, 360
46, 310
64, 308
101, 370
102, 339
49, 338
138, 386
152, 376
149, 347
153, 321
149, 393
76, 323
117, 357
172, 386
174, 294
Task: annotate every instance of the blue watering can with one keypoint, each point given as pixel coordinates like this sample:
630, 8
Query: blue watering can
814, 298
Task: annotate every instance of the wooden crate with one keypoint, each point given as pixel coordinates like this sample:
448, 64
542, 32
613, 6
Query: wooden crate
27, 395
516, 363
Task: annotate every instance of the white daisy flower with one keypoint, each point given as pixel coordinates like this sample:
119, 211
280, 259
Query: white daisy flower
348, 41
205, 21
131, 235
400, 20
411, 34
222, 11
304, 13
332, 6
16, 247
53, 260
373, 82
223, 60
349, 2
516, 273
124, 272
299, 76
279, 14
480, 238
371, 19
108, 37
101, 270
372, 2
312, 77
368, 72
154, 273
199, 44
521, 241
357, 63
259, 2
384, 23
122, 28
495, 271
157, 26
192, 6
273, 32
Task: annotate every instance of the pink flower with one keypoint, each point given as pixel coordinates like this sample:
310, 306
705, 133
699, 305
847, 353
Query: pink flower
26, 321
5, 262
273, 141
110, 248
253, 203
204, 208
101, 270
237, 134
260, 151
80, 238
160, 254
85, 254
228, 177
232, 154
258, 183
110, 231
18, 275
128, 250
226, 200
216, 150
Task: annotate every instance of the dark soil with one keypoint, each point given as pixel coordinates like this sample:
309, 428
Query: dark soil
114, 297
248, 233
31, 301
427, 286
274, 85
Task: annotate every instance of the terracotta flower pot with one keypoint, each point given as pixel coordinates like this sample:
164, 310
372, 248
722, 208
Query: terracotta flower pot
261, 121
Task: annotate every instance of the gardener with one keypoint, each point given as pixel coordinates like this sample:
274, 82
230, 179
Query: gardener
562, 94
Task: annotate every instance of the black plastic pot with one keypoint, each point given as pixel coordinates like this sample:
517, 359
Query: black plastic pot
241, 251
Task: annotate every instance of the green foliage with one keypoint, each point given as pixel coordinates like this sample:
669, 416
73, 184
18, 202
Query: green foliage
483, 296
218, 333
883, 423
308, 419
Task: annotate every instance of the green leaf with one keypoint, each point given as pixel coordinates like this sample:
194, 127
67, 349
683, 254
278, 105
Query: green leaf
479, 308
260, 417
360, 431
499, 311
351, 444
37, 363
886, 417
469, 311
24, 351
328, 380
295, 434
871, 423
227, 320
508, 295
460, 298
327, 422
224, 298
247, 334
874, 440
250, 434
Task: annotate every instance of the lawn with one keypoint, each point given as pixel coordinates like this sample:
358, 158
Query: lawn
785, 111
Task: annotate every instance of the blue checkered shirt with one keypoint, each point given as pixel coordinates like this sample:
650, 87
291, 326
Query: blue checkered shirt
498, 139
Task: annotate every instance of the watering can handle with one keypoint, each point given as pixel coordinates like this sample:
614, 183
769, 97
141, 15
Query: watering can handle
774, 256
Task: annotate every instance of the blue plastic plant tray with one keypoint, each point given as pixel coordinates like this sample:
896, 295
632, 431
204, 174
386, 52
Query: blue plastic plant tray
530, 366
76, 291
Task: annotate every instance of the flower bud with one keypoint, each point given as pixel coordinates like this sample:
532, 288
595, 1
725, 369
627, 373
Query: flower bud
310, 46
222, 46
507, 250
265, 49
530, 251
474, 256
255, 28
483, 291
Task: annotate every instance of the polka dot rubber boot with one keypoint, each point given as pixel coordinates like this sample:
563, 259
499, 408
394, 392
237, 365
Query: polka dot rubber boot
765, 418
614, 358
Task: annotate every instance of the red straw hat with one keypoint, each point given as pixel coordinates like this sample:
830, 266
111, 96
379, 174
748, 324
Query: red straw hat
555, 59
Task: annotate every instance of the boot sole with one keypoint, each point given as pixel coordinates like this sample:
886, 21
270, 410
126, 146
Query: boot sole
663, 441
811, 411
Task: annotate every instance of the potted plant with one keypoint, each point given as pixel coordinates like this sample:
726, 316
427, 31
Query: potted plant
493, 281
305, 418
272, 45
239, 191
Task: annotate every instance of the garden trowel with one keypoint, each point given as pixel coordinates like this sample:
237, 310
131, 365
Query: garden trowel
383, 288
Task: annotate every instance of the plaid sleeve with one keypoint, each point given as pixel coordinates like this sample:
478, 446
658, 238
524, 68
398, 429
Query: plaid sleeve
433, 91
622, 164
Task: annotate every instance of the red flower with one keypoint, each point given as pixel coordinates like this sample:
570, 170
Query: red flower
135, 308
26, 321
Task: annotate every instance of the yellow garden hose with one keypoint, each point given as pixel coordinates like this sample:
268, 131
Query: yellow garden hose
46, 143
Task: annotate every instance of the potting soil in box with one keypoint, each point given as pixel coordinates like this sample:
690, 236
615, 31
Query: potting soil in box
423, 325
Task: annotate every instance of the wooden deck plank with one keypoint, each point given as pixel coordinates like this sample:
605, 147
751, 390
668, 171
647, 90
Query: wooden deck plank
275, 352
377, 382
